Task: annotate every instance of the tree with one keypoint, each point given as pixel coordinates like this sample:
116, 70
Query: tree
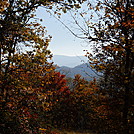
117, 45
24, 96
24, 65
75, 110
108, 25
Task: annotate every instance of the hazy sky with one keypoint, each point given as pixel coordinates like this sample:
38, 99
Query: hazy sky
63, 42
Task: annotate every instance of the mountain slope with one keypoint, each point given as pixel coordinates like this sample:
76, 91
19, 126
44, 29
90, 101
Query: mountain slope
84, 70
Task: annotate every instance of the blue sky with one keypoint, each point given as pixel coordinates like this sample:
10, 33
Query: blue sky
63, 42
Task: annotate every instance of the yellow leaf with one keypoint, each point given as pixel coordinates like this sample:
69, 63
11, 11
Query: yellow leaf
107, 15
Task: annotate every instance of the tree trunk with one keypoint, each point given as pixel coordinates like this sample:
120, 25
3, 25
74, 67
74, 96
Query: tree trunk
127, 89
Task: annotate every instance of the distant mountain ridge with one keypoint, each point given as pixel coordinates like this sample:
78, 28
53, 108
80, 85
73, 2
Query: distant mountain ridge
72, 65
69, 61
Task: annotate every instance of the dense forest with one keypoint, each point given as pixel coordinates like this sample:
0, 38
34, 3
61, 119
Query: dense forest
37, 99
